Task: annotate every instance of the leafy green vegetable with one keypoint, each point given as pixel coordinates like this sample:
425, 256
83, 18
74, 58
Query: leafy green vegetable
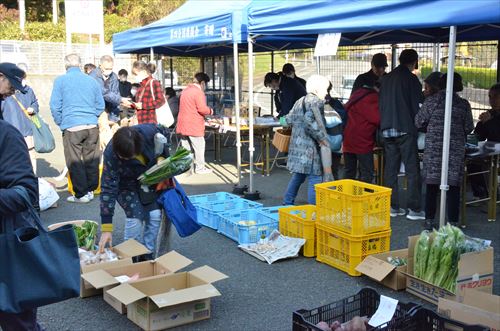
434, 257
397, 261
172, 166
421, 255
85, 234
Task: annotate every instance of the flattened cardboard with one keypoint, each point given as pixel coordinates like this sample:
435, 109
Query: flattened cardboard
126, 293
185, 295
477, 307
475, 270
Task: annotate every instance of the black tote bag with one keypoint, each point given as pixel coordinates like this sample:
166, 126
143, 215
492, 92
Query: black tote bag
37, 267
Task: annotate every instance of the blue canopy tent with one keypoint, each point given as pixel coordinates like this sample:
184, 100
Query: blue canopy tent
387, 21
206, 28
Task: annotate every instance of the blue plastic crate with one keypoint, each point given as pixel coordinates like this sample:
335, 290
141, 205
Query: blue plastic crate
208, 213
246, 226
272, 212
207, 199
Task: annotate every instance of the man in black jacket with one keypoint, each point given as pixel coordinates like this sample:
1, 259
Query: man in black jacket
399, 101
288, 91
15, 170
368, 79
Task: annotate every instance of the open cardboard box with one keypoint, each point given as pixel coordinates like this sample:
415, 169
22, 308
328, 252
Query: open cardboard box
376, 266
475, 307
475, 270
105, 278
125, 251
167, 301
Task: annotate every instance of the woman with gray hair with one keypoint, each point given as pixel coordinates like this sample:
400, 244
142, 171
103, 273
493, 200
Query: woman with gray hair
309, 152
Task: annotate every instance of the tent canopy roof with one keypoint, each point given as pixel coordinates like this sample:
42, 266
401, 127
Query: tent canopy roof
378, 22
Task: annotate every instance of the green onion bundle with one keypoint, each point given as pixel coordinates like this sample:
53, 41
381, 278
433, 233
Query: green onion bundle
172, 166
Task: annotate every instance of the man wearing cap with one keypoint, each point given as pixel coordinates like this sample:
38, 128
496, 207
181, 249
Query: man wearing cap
15, 170
399, 101
368, 79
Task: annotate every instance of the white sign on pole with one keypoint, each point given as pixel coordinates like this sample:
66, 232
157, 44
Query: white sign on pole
327, 44
84, 16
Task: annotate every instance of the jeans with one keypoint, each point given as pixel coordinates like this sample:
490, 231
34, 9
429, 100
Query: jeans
404, 149
452, 202
197, 146
148, 237
294, 185
366, 166
25, 321
82, 154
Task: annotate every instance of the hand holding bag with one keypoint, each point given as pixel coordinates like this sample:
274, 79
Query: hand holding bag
42, 136
38, 267
180, 211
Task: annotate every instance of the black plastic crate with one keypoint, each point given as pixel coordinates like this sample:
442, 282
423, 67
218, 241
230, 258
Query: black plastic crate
364, 303
423, 319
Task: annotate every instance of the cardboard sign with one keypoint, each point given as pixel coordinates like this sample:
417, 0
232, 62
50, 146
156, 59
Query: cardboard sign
327, 44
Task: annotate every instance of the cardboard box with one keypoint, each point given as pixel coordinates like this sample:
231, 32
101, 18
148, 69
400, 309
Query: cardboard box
125, 251
167, 301
475, 307
376, 266
105, 279
475, 270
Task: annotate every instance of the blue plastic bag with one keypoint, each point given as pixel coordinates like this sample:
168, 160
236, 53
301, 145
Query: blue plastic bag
179, 210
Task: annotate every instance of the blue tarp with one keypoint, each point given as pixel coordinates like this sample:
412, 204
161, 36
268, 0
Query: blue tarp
378, 21
201, 28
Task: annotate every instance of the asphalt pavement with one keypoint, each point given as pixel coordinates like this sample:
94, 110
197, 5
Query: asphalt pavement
257, 296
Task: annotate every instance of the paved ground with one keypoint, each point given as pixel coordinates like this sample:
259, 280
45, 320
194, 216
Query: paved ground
257, 296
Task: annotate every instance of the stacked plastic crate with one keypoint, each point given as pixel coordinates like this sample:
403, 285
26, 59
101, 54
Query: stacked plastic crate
352, 222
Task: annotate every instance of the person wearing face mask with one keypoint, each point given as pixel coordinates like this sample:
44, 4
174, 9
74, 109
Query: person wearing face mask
125, 86
109, 83
191, 120
149, 95
288, 91
289, 71
17, 110
368, 79
76, 103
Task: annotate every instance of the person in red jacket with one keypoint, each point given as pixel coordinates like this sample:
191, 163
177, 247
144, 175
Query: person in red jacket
363, 120
191, 120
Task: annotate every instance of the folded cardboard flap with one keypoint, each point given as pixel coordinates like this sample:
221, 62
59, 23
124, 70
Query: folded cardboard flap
99, 278
185, 295
482, 300
480, 263
126, 294
130, 248
375, 268
172, 262
106, 265
481, 308
208, 274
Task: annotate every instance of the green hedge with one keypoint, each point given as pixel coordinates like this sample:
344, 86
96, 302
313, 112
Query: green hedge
482, 78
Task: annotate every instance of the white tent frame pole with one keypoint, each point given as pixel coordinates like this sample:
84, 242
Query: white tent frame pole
250, 110
447, 124
151, 54
237, 109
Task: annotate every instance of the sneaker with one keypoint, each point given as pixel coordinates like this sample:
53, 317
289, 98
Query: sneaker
204, 171
397, 212
90, 195
415, 215
84, 199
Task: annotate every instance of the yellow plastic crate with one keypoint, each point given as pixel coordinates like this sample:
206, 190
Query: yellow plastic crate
354, 207
345, 252
299, 222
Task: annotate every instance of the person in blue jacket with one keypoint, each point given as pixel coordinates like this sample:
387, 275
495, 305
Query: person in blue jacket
132, 151
17, 109
15, 170
110, 85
